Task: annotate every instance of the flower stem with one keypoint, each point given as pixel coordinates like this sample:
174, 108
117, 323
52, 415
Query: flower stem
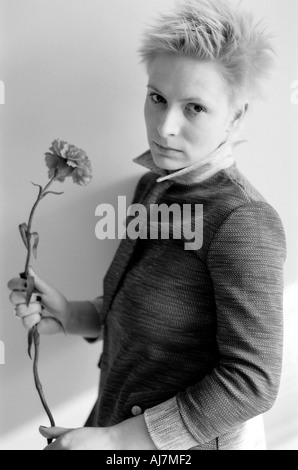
40, 196
34, 330
38, 385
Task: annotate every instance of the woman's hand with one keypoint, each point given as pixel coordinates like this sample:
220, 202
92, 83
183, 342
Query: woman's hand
46, 307
131, 434
78, 439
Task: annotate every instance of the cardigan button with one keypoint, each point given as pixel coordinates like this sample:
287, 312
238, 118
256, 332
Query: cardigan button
136, 411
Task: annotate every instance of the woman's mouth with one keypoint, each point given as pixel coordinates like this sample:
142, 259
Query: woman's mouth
166, 150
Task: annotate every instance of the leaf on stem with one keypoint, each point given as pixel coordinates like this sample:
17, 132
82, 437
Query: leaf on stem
24, 233
52, 192
30, 341
35, 238
38, 185
30, 289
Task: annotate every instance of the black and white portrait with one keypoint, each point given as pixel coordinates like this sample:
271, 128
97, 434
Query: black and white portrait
148, 225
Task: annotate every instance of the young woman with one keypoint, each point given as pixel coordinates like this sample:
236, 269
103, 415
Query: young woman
192, 336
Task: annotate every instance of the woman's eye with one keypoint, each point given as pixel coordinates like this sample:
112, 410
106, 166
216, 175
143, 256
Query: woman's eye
196, 108
156, 98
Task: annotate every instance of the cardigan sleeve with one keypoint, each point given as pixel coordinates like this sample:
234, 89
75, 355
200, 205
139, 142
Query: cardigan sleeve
245, 261
97, 304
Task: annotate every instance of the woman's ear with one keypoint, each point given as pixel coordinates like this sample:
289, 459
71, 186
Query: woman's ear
238, 117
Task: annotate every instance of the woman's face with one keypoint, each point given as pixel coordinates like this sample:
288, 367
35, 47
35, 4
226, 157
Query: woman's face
187, 111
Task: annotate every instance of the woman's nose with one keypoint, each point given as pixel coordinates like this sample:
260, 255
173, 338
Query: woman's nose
169, 124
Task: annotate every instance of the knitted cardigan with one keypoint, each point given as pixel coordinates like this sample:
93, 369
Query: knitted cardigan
193, 338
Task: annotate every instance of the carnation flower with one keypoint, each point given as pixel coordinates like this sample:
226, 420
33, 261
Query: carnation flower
65, 160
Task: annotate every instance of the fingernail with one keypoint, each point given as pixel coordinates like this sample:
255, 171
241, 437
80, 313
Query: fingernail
43, 427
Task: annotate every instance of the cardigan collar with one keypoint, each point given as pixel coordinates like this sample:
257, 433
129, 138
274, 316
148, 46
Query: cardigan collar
208, 166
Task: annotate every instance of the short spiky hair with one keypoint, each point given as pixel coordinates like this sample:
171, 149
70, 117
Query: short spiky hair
214, 30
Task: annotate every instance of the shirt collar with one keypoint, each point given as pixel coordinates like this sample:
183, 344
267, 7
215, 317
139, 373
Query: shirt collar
208, 166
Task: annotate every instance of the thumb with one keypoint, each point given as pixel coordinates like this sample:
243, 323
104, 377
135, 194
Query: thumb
40, 285
52, 433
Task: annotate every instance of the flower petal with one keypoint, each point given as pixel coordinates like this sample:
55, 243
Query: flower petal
52, 161
72, 163
58, 146
82, 176
67, 160
64, 149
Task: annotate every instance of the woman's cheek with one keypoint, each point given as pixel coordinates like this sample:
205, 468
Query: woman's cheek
149, 118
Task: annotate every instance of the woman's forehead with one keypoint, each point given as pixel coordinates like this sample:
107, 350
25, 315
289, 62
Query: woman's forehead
186, 77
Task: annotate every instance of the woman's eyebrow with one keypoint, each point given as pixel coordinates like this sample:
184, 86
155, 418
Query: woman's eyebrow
154, 88
193, 98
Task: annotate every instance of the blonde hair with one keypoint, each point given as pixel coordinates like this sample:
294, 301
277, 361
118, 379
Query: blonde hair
214, 30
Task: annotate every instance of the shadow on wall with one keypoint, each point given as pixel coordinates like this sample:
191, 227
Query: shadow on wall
68, 365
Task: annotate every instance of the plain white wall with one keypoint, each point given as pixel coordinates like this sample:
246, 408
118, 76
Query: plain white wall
71, 70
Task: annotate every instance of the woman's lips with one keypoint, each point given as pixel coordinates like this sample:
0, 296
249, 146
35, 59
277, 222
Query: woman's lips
166, 150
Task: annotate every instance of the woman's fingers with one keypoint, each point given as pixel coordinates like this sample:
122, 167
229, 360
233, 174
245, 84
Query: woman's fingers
23, 311
53, 433
34, 314
47, 306
19, 297
31, 321
17, 284
40, 284
30, 315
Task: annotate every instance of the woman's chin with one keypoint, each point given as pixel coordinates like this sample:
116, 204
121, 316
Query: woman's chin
166, 163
